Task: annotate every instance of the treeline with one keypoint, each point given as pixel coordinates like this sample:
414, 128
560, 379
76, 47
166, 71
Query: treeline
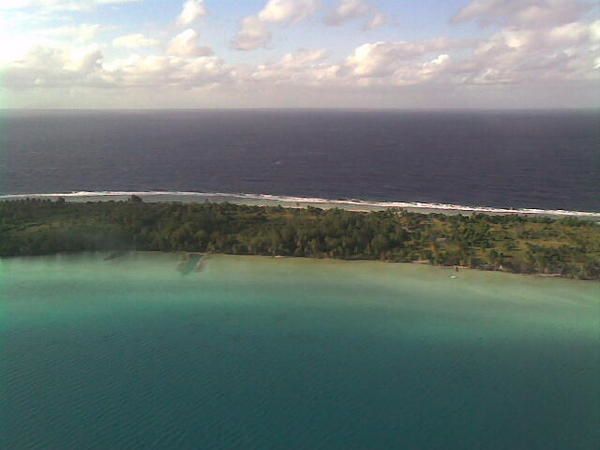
566, 247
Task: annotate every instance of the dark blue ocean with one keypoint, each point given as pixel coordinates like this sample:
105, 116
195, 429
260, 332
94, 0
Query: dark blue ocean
548, 160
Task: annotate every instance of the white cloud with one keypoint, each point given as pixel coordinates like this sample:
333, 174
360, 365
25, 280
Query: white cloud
595, 31
523, 12
55, 67
542, 41
135, 41
380, 64
192, 11
253, 34
186, 44
348, 10
68, 68
282, 11
518, 55
68, 36
537, 43
303, 58
168, 71
378, 20
570, 33
304, 67
380, 59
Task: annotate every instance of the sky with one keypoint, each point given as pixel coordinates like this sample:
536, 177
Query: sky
404, 54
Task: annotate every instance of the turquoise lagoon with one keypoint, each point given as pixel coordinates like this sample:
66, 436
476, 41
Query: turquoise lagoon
263, 353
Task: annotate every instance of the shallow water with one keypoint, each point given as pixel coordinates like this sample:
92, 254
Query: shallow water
266, 353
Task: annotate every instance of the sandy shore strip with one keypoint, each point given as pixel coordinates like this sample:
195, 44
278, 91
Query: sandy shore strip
300, 202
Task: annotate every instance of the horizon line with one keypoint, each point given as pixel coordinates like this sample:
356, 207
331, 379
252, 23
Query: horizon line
294, 108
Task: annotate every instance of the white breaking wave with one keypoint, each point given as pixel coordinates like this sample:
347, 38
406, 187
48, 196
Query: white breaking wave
290, 200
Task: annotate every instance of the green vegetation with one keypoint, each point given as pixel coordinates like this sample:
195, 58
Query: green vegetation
565, 247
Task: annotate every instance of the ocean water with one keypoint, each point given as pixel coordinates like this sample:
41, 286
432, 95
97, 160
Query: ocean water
547, 160
262, 353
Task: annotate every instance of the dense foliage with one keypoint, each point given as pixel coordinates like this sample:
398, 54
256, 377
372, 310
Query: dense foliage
566, 247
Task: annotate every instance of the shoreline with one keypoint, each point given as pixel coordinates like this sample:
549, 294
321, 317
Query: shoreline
300, 202
181, 257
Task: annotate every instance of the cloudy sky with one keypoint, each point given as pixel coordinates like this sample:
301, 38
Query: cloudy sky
299, 53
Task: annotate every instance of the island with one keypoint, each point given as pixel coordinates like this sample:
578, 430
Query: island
566, 247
